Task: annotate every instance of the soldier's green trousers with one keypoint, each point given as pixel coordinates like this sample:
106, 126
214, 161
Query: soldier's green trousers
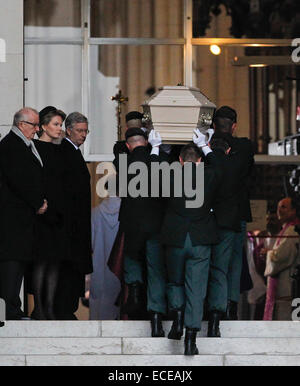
156, 274
187, 271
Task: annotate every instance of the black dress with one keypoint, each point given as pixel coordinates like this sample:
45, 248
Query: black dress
51, 230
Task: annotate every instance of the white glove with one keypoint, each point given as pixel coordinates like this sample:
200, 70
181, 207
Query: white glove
210, 133
154, 138
199, 139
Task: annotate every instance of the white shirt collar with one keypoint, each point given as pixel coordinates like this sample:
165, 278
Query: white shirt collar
68, 139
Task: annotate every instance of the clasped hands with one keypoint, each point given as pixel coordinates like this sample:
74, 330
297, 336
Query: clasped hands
43, 208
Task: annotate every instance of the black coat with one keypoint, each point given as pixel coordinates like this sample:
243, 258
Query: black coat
140, 217
242, 156
226, 202
22, 194
78, 208
52, 236
121, 148
200, 222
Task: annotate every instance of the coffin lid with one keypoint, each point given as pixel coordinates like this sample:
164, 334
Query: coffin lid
179, 96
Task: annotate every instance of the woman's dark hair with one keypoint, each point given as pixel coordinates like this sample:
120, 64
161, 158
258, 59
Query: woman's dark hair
47, 114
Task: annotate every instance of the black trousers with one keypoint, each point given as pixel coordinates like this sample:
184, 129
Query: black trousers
11, 276
71, 285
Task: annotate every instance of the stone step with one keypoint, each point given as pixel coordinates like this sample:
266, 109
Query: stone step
132, 329
149, 360
60, 346
125, 360
214, 346
50, 329
147, 346
146, 360
229, 329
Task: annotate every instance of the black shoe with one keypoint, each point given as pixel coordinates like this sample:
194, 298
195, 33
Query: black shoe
50, 314
214, 324
37, 315
2, 324
134, 301
190, 347
231, 312
176, 331
156, 325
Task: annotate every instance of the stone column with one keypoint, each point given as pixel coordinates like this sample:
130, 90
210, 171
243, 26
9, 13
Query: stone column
11, 61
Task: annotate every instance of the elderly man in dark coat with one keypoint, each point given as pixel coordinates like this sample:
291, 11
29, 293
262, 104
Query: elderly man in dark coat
78, 218
22, 199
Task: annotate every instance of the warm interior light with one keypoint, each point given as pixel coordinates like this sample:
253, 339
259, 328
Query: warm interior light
257, 65
214, 49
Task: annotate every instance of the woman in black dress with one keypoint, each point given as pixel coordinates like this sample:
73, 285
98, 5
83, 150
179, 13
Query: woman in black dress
50, 246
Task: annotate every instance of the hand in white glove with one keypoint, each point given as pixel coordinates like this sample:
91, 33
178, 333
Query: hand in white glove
154, 138
199, 139
210, 133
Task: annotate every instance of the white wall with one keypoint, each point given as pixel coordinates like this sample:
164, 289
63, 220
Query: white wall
11, 71
53, 71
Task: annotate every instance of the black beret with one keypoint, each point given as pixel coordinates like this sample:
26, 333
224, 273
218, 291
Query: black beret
133, 115
133, 131
226, 112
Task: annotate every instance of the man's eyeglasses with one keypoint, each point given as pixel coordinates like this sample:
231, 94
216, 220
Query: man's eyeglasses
33, 124
82, 131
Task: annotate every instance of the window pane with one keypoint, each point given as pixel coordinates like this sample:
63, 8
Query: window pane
246, 19
137, 18
265, 96
49, 13
51, 78
53, 71
223, 83
133, 70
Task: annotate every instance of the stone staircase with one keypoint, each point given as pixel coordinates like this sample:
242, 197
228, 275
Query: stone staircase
128, 343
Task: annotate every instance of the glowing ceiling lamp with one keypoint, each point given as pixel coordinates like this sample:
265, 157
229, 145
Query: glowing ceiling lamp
215, 49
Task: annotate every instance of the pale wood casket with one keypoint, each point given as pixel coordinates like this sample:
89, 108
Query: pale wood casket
175, 111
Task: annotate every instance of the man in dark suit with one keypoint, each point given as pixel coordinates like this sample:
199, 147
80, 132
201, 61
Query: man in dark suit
226, 210
240, 162
78, 218
140, 220
133, 120
22, 198
188, 234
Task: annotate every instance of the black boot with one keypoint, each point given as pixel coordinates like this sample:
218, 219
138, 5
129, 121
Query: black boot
231, 312
190, 347
214, 324
134, 300
176, 331
156, 325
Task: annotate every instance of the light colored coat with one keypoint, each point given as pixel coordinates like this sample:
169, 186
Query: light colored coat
284, 257
104, 285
